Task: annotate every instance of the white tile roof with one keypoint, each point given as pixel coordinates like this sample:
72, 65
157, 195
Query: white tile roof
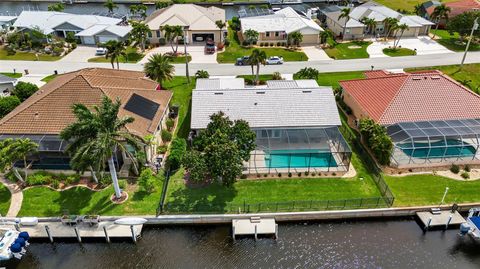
268, 107
286, 19
117, 30
7, 18
46, 21
220, 83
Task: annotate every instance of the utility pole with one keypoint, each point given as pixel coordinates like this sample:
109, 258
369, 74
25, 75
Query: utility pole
475, 27
185, 40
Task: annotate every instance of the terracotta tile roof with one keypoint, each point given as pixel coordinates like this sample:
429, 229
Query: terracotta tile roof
458, 7
50, 109
418, 96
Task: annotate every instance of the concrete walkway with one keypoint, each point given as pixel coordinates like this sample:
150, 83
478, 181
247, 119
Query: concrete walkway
16, 199
34, 78
315, 54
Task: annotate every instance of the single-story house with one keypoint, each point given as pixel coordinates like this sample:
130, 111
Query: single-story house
456, 8
296, 123
276, 27
7, 21
6, 85
432, 119
45, 114
90, 29
198, 21
355, 29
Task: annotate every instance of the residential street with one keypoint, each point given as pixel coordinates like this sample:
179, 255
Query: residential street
230, 69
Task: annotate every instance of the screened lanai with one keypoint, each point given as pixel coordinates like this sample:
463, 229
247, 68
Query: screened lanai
435, 142
299, 150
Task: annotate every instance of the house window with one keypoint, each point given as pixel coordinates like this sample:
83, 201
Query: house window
150, 34
277, 33
158, 33
267, 34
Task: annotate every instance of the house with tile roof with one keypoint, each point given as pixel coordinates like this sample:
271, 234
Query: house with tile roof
456, 8
296, 123
198, 20
6, 85
47, 112
355, 29
431, 118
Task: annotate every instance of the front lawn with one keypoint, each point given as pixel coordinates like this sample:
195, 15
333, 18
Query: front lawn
348, 50
332, 79
12, 75
49, 78
407, 5
180, 59
398, 52
133, 56
468, 76
452, 42
26, 56
429, 190
234, 50
4, 200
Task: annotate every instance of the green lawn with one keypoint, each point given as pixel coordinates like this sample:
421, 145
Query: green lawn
12, 75
349, 50
451, 42
4, 200
182, 95
398, 52
42, 201
429, 189
49, 78
26, 56
133, 56
468, 76
332, 79
180, 59
234, 51
404, 4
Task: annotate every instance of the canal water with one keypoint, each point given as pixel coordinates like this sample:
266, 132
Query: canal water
361, 244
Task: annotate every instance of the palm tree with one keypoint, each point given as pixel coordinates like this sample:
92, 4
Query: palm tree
371, 24
417, 9
139, 32
402, 28
201, 74
115, 49
390, 25
325, 35
159, 68
296, 38
12, 151
171, 33
251, 36
220, 25
344, 13
256, 58
110, 5
98, 134
440, 12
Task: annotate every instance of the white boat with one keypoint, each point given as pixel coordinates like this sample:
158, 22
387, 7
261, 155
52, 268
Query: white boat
472, 226
130, 221
12, 244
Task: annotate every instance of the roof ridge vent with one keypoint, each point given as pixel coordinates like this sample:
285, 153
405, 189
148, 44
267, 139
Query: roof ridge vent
435, 77
262, 92
218, 93
416, 78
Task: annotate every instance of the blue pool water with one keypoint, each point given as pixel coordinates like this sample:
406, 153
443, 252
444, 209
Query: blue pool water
299, 159
454, 149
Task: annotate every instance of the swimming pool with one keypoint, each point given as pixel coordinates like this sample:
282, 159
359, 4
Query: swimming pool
299, 158
438, 149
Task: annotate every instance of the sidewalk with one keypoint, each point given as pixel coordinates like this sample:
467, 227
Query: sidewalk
16, 199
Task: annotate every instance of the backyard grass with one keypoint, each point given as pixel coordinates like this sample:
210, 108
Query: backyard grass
398, 52
468, 76
451, 42
407, 5
429, 189
133, 56
26, 56
234, 50
12, 75
49, 78
182, 95
348, 50
4, 200
332, 79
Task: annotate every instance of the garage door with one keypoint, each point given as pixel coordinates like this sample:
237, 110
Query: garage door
106, 38
88, 40
202, 37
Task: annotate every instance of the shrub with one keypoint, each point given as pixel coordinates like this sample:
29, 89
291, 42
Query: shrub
23, 90
276, 76
279, 44
306, 173
467, 168
147, 180
39, 178
7, 104
74, 45
299, 174
166, 136
334, 174
226, 42
271, 44
72, 179
265, 175
161, 149
122, 183
377, 140
105, 180
455, 169
289, 174
170, 123
465, 175
243, 176
279, 174
177, 151
162, 41
57, 51
55, 183
314, 174
245, 43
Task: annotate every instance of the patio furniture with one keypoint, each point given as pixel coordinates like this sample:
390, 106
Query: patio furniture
91, 219
69, 219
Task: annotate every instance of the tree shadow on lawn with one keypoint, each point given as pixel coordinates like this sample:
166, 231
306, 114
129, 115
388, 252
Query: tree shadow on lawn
72, 201
184, 129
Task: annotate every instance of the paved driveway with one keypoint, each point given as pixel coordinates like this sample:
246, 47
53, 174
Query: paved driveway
197, 53
34, 78
80, 55
424, 45
315, 54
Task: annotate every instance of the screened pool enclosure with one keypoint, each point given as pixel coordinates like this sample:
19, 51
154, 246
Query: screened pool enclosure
299, 150
435, 142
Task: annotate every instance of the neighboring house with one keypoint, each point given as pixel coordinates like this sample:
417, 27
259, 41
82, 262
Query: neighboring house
6, 21
90, 29
432, 119
457, 8
198, 21
6, 85
355, 29
45, 114
276, 27
296, 123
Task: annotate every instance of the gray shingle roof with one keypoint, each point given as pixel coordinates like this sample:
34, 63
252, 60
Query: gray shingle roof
4, 79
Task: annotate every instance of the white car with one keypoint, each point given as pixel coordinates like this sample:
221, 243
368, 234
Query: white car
101, 51
275, 60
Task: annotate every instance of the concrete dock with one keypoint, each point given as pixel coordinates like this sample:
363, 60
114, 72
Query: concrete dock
254, 226
445, 218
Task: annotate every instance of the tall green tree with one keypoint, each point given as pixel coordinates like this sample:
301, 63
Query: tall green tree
463, 23
115, 49
251, 36
98, 134
159, 68
13, 150
7, 104
220, 25
371, 24
377, 139
325, 35
401, 28
23, 90
59, 7
139, 10
307, 73
440, 13
162, 4
257, 58
344, 14
139, 33
417, 9
390, 25
295, 38
110, 5
172, 33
